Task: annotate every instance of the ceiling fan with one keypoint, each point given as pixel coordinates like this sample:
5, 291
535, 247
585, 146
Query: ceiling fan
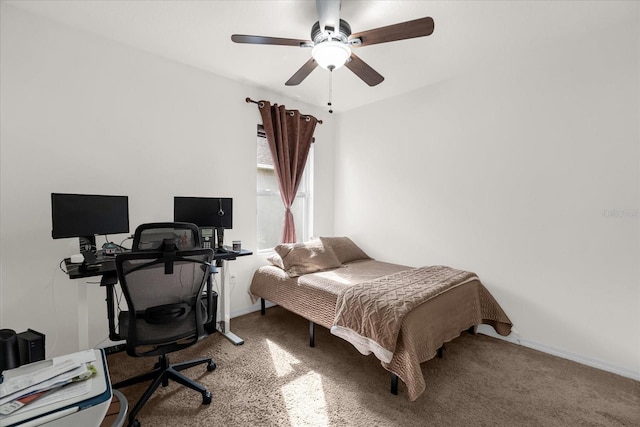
332, 41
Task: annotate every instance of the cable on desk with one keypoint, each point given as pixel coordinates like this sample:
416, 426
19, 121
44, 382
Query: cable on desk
122, 247
67, 272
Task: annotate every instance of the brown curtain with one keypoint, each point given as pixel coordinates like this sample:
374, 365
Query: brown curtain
289, 135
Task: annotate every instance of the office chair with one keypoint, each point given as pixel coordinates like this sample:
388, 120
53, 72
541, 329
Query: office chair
169, 298
151, 236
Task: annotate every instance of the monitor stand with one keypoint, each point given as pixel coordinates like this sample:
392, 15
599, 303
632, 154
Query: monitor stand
87, 243
89, 262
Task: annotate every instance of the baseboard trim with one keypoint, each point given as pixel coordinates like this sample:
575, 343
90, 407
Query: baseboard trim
584, 360
250, 309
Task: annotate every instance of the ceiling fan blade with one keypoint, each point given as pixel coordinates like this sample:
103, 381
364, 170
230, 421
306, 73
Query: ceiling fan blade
242, 38
328, 14
364, 71
402, 31
302, 73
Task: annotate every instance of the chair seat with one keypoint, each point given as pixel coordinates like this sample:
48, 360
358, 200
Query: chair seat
157, 335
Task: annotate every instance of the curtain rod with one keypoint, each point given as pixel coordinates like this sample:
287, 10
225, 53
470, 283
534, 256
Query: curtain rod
261, 104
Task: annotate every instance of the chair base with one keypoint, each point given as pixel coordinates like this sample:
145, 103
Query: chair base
161, 374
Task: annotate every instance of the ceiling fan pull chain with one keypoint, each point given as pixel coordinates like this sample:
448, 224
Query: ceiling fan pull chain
330, 91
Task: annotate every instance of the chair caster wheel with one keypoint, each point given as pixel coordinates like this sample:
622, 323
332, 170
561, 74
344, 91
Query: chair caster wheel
206, 398
135, 423
211, 366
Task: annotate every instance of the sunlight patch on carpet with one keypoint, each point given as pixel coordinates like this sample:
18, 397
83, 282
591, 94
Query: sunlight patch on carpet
282, 359
305, 401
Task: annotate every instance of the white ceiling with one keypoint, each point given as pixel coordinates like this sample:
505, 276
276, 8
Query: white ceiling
467, 34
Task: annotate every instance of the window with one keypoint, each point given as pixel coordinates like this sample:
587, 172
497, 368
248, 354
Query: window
270, 206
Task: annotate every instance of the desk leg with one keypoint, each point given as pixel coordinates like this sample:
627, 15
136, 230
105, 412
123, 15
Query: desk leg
83, 316
225, 296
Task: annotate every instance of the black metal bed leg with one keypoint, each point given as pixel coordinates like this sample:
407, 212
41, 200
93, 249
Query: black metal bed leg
262, 307
394, 384
441, 352
472, 330
312, 334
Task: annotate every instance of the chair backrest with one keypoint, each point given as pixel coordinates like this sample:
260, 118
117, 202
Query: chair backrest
151, 236
166, 299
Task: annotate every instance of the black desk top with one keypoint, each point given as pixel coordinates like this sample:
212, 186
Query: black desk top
101, 267
106, 264
230, 255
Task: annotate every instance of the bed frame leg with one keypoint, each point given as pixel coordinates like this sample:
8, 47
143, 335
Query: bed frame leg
394, 384
262, 307
312, 334
472, 330
441, 352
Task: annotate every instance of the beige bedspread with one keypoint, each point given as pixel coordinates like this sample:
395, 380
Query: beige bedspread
423, 330
369, 314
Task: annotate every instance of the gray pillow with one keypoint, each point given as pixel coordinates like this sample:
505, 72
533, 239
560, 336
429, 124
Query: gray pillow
307, 257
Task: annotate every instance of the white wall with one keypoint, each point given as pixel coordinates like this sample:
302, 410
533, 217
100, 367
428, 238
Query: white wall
84, 114
511, 171
505, 171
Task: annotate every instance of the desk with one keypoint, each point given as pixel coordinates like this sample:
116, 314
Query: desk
106, 267
107, 264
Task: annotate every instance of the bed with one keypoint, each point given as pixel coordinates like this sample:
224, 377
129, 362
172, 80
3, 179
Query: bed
320, 280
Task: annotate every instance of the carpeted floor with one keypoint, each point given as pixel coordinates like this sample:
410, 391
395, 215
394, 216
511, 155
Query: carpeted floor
275, 378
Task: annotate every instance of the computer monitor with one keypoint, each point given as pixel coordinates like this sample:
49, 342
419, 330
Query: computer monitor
87, 215
207, 213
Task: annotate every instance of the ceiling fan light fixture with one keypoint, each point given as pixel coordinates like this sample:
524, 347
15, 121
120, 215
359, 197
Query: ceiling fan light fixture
331, 54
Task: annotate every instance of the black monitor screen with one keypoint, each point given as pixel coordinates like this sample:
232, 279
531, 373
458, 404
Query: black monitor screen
205, 212
83, 215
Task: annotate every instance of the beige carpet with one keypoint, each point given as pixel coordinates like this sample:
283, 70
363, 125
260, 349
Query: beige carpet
275, 378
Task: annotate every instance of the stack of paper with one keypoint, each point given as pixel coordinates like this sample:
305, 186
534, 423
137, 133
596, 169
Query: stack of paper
43, 383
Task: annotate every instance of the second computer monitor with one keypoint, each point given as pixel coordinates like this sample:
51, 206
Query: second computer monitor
205, 212
209, 214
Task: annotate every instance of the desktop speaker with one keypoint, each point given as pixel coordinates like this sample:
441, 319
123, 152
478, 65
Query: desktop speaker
31, 346
9, 354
